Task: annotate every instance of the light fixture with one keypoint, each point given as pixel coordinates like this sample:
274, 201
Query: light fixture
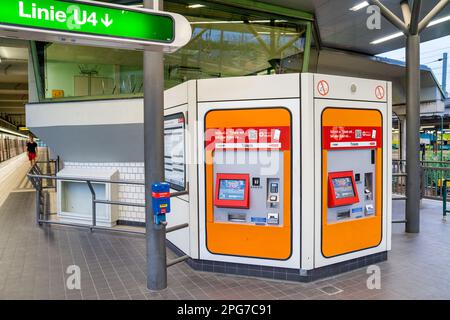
387, 38
216, 22
438, 21
399, 34
234, 21
196, 6
360, 6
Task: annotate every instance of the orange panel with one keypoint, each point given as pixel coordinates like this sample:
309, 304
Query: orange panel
355, 235
270, 242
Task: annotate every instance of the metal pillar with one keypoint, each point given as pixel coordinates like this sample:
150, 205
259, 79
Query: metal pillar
403, 126
412, 27
444, 73
154, 162
413, 167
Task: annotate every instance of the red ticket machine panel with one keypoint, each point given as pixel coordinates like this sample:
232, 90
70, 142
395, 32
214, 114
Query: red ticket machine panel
342, 189
232, 191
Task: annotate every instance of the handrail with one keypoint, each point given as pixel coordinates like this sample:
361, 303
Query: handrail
130, 182
36, 178
424, 161
437, 168
444, 200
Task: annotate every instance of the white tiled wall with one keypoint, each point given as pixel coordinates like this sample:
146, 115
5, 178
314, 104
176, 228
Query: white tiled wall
127, 193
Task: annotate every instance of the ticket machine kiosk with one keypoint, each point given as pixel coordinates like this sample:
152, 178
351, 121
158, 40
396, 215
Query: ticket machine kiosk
288, 175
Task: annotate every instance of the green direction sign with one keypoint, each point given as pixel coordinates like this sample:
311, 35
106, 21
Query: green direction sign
94, 23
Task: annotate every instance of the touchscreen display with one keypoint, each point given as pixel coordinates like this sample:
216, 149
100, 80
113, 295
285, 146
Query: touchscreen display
343, 188
232, 190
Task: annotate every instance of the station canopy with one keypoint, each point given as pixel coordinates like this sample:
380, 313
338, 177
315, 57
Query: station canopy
341, 28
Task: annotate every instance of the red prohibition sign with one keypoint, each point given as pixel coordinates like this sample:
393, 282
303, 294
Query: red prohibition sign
323, 87
379, 92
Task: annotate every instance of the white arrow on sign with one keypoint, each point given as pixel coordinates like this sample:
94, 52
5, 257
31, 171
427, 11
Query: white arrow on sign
106, 21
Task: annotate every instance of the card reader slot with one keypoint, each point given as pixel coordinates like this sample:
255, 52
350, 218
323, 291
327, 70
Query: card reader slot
235, 217
343, 215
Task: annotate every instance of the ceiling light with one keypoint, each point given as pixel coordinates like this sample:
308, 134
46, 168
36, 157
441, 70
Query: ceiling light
399, 34
360, 6
196, 6
387, 38
216, 22
438, 21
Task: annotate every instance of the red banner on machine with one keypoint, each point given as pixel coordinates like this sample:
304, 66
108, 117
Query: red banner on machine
259, 138
341, 138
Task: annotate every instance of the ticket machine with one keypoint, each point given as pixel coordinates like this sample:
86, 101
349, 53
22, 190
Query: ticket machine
288, 175
248, 182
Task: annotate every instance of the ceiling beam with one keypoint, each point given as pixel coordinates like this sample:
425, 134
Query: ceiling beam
436, 10
13, 43
14, 86
406, 11
390, 16
14, 98
415, 17
13, 110
12, 104
8, 91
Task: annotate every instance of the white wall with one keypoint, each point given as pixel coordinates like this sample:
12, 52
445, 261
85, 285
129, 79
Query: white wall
127, 193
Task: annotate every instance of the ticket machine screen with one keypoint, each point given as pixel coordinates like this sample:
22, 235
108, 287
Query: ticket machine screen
232, 190
343, 187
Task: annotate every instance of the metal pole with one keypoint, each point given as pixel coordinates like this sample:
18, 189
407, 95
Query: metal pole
433, 13
38, 201
444, 199
94, 204
444, 73
406, 11
413, 134
154, 164
442, 138
390, 16
415, 16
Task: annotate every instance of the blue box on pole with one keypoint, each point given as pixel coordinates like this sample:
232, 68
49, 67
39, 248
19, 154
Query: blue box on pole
160, 201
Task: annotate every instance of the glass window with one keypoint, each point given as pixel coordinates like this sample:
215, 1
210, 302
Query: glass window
226, 42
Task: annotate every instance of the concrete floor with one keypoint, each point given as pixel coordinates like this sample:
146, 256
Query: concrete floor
33, 264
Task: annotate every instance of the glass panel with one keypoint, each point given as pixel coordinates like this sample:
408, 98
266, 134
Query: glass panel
77, 71
226, 42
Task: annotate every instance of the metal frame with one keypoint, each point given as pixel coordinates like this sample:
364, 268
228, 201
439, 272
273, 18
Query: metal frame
36, 177
444, 200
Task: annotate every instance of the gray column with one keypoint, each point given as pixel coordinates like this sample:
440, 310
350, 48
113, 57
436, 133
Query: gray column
154, 162
444, 73
413, 169
402, 137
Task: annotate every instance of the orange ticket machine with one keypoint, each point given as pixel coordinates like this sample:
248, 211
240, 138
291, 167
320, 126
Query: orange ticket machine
288, 175
248, 203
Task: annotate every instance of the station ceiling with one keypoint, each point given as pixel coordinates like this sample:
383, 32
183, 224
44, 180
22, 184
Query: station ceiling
13, 81
341, 28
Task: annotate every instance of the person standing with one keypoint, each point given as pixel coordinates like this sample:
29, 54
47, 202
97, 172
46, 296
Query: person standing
32, 151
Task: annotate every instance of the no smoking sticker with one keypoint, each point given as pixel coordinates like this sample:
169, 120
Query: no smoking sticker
379, 92
323, 88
